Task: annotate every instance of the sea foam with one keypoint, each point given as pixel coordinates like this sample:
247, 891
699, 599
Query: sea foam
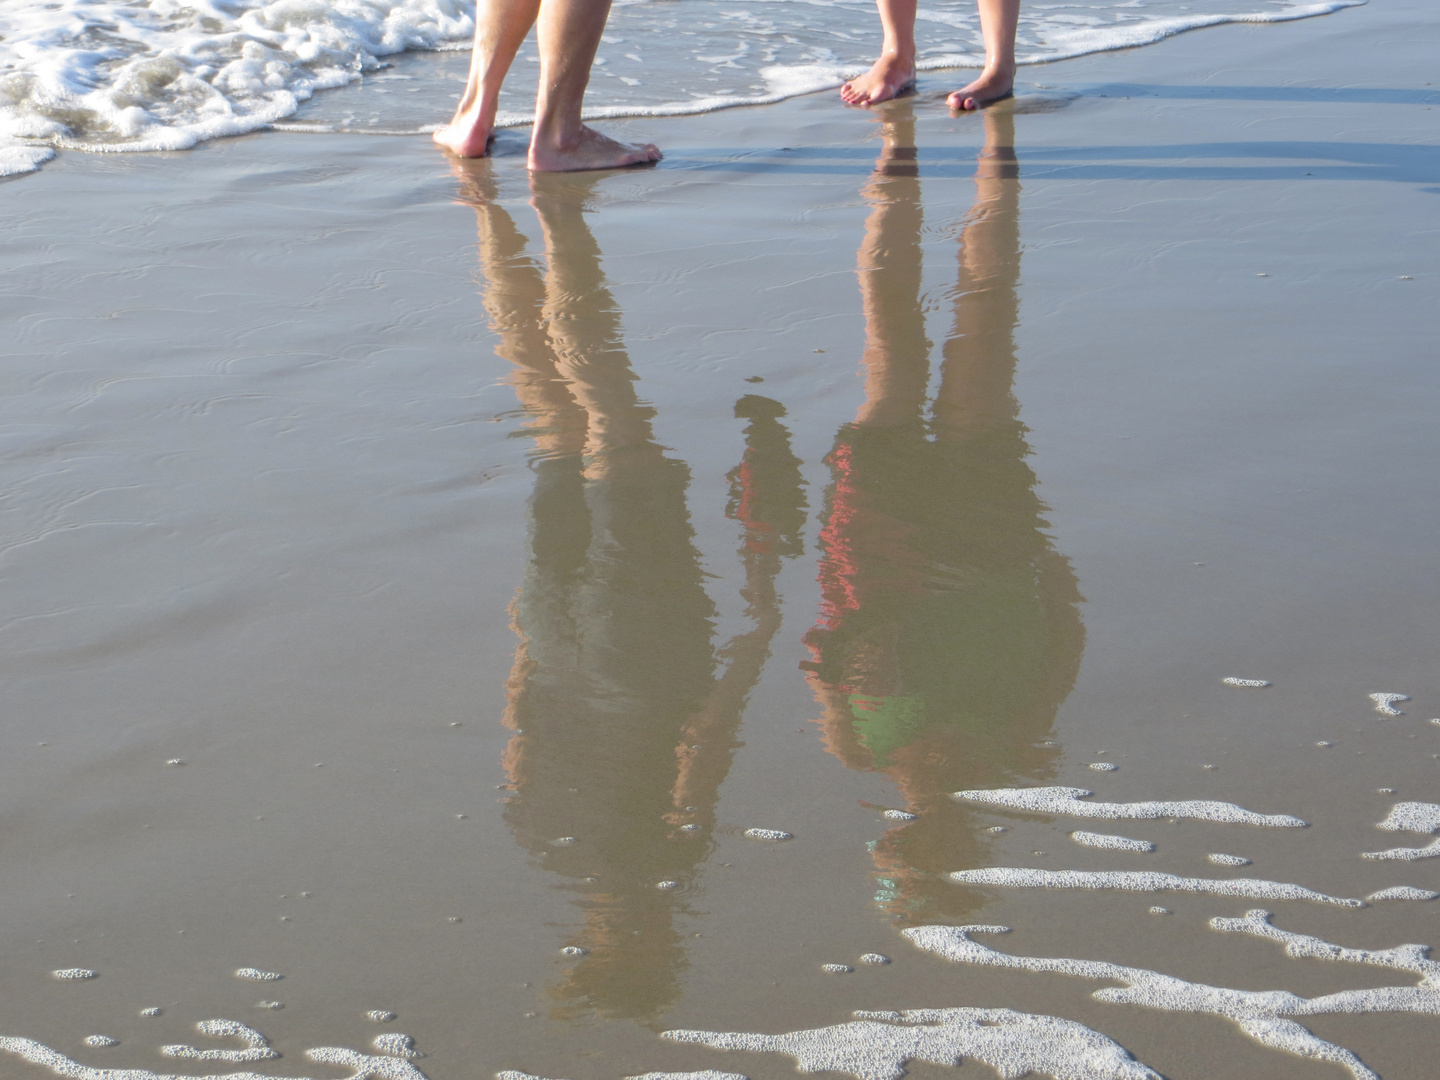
1415, 817
1071, 801
1109, 841
876, 1045
1144, 881
360, 1066
1267, 1016
257, 1047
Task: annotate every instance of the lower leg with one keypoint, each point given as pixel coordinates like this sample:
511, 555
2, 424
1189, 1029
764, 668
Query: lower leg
998, 19
500, 28
569, 34
894, 72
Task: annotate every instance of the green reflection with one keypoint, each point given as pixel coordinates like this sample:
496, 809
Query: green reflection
626, 715
949, 631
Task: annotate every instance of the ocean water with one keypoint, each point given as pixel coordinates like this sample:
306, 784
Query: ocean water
110, 75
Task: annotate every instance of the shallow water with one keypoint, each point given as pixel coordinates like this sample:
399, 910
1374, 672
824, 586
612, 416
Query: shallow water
118, 75
418, 584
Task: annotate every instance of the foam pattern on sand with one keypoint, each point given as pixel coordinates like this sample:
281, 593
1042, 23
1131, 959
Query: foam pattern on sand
257, 1047
1219, 858
768, 834
1071, 801
1417, 817
105, 75
360, 1066
1385, 703
1406, 854
1109, 841
876, 1045
256, 975
1144, 881
1403, 892
1267, 1016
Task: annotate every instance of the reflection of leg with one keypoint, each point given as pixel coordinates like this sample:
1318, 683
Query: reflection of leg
894, 72
569, 33
500, 27
998, 19
514, 297
584, 329
897, 353
979, 365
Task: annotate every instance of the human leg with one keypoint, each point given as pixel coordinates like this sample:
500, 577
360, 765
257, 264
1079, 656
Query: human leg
998, 19
894, 72
500, 28
569, 33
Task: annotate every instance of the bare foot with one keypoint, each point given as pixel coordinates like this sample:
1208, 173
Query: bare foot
994, 84
469, 135
587, 149
888, 77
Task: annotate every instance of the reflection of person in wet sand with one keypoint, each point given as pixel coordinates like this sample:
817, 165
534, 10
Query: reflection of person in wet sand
568, 33
949, 631
623, 729
893, 73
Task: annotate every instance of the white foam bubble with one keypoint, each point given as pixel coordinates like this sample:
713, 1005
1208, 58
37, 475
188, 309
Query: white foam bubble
101, 1040
271, 1005
153, 1010
1143, 881
874, 958
257, 975
74, 974
667, 885
877, 1045
1385, 703
1221, 859
1264, 1015
1403, 892
1110, 841
392, 1042
257, 1047
574, 950
703, 1074
1158, 910
1248, 683
768, 834
899, 815
836, 969
1070, 801
380, 1016
1103, 766
1417, 817
1405, 854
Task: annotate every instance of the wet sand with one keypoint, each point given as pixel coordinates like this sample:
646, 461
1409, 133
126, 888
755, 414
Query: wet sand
409, 570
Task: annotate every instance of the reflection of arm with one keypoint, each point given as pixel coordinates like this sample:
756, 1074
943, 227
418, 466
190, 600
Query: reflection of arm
768, 500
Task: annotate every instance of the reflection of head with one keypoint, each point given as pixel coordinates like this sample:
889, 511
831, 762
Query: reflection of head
949, 632
623, 732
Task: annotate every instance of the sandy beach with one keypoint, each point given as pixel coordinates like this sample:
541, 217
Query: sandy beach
418, 577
